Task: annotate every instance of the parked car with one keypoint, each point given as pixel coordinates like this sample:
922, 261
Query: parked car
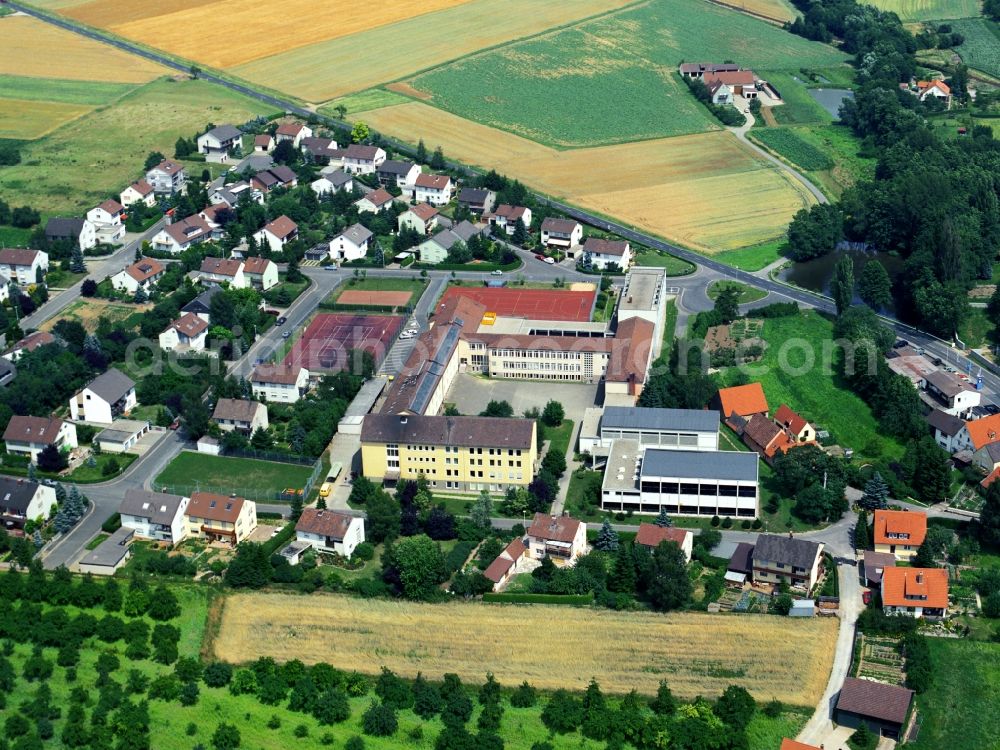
900, 344
539, 256
498, 272
550, 261
330, 268
174, 425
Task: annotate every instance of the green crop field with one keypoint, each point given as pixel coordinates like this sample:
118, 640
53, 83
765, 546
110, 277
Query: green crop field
613, 79
981, 48
61, 90
788, 145
841, 145
250, 478
799, 107
363, 101
929, 10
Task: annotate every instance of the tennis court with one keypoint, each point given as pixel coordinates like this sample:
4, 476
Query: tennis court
534, 304
325, 344
366, 297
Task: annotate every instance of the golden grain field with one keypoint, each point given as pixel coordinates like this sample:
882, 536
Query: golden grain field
706, 191
28, 48
550, 647
30, 119
780, 10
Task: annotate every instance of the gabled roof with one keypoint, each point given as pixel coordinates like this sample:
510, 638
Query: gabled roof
326, 523
945, 423
280, 374
799, 553
469, 432
112, 386
18, 256
630, 351
508, 212
290, 128
34, 340
474, 195
360, 152
144, 269
560, 226
189, 229
17, 494
210, 213
787, 744
378, 198
237, 409
111, 206
422, 211
650, 535
142, 187
356, 234
224, 132
874, 561
763, 432
214, 507
42, 430
553, 528
597, 246
168, 166
505, 561
337, 178
875, 700
64, 227
256, 266
911, 522
915, 587
731, 77
984, 431
390, 166
743, 400
202, 303
433, 181
228, 267
790, 419
741, 560
940, 85
282, 227
189, 324
263, 140
950, 385
158, 507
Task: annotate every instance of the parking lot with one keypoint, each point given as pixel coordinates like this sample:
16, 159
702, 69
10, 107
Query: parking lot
470, 394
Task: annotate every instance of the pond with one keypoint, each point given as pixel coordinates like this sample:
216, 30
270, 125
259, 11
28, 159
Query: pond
830, 99
816, 274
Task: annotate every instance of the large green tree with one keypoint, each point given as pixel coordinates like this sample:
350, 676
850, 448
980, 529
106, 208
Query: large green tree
667, 585
842, 284
420, 566
874, 286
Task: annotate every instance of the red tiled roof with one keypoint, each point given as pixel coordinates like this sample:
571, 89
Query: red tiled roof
423, 211
632, 345
256, 265
743, 400
505, 561
112, 206
787, 744
731, 78
221, 266
788, 418
142, 187
168, 166
282, 227
144, 268
984, 431
281, 373
915, 587
650, 535
34, 340
911, 522
195, 225
290, 128
554, 528
433, 181
378, 198
214, 507
42, 430
17, 256
324, 523
190, 325
598, 246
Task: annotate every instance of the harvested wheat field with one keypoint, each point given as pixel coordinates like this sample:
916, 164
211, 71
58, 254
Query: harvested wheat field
779, 10
681, 188
773, 657
26, 49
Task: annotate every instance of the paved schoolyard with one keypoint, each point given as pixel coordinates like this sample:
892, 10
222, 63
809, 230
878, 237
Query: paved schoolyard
470, 394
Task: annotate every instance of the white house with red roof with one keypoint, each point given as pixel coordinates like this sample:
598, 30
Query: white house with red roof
374, 202
109, 221
651, 536
606, 253
167, 178
28, 344
260, 273
505, 217
508, 563
182, 235
330, 531
280, 382
292, 131
29, 436
278, 233
361, 159
421, 218
219, 271
143, 274
263, 144
561, 538
186, 334
22, 265
435, 189
139, 191
934, 89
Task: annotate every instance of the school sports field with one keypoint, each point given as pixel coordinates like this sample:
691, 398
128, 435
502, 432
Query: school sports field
327, 341
379, 299
534, 304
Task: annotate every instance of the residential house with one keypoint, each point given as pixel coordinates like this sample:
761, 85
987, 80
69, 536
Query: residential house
884, 708
506, 564
182, 235
78, 232
421, 218
604, 254
108, 557
329, 531
477, 200
351, 244
787, 744
252, 164
899, 532
22, 265
360, 159
154, 515
260, 273
946, 429
28, 344
278, 176
292, 131
215, 215
282, 383
740, 82
232, 193
332, 182
934, 90
186, 334
917, 592
796, 426
143, 274
402, 174
220, 519
202, 304
561, 538
435, 189
263, 144
109, 222
562, 234
107, 396
765, 437
241, 415
720, 93
778, 559
741, 401
739, 569
218, 271
29, 436
874, 564
167, 178
278, 233
435, 250
374, 202
951, 394
973, 436
651, 536
505, 217
321, 151
219, 143
22, 500
139, 191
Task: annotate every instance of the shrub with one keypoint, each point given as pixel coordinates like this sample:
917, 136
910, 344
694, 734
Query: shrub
563, 713
727, 522
715, 521
365, 551
192, 729
274, 722
355, 743
226, 737
773, 708
301, 730
217, 674
524, 696
379, 720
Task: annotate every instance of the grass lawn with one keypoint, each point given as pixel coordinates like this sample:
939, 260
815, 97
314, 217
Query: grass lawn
87, 474
14, 236
799, 106
362, 101
793, 372
96, 541
149, 413
747, 293
843, 147
59, 90
976, 329
753, 258
88, 312
673, 266
669, 326
249, 478
558, 437
961, 710
60, 279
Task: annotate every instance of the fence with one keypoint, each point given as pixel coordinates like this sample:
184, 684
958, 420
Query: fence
256, 493
276, 456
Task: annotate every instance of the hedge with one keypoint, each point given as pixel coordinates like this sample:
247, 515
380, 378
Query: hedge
573, 599
113, 523
474, 267
409, 260
280, 539
346, 307
456, 558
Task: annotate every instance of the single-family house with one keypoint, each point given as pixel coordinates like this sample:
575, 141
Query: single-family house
361, 159
402, 174
508, 563
109, 221
219, 143
122, 436
477, 200
765, 437
917, 592
651, 536
778, 559
218, 271
232, 193
220, 519
107, 396
282, 383
143, 274
29, 436
182, 235
505, 217
945, 428
186, 334
796, 426
720, 93
351, 244
260, 273
253, 163
884, 708
561, 538
22, 265
321, 151
263, 144
972, 436
788, 744
292, 131
874, 564
28, 344
216, 215
167, 177
278, 176
951, 394
22, 500
934, 90
421, 218
78, 232
740, 82
435, 250
374, 202
332, 182
606, 253
278, 233
139, 191
202, 304
740, 401
330, 531
899, 532
154, 515
562, 234
435, 189
240, 414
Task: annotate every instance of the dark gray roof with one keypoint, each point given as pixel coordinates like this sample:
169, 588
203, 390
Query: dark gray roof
729, 465
112, 550
646, 418
946, 383
357, 234
473, 195
338, 178
875, 700
158, 507
474, 432
16, 493
741, 560
112, 385
389, 166
255, 163
225, 132
466, 230
993, 451
799, 553
58, 227
201, 303
945, 423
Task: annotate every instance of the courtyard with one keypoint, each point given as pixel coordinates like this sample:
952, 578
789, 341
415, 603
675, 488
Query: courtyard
471, 393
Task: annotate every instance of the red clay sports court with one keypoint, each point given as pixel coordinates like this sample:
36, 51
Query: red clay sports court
325, 343
534, 304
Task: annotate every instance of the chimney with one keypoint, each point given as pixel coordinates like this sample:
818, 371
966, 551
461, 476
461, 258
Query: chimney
920, 577
402, 419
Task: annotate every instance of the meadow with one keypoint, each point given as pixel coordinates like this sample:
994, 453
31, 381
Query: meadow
672, 187
27, 120
929, 10
612, 79
250, 478
981, 48
699, 654
34, 107
793, 149
88, 313
799, 107
839, 144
